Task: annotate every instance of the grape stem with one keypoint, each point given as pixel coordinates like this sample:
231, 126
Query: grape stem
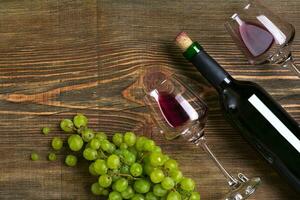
73, 128
143, 156
125, 175
103, 154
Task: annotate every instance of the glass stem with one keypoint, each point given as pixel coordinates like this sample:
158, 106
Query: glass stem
230, 179
290, 63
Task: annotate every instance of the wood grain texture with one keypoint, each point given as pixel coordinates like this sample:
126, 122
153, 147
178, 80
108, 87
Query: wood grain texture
61, 57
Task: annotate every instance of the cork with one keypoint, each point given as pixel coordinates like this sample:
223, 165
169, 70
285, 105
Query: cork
183, 41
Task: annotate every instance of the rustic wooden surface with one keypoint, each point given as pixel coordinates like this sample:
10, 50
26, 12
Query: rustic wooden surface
60, 57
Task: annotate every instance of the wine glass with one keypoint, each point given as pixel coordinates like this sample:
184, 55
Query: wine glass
263, 36
179, 112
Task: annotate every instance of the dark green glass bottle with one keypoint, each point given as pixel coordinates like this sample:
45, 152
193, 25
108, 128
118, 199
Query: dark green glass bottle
260, 119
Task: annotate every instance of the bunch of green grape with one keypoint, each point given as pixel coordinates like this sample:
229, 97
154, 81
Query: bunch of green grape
127, 166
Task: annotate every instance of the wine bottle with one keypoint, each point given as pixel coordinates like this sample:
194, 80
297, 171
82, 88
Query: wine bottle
260, 119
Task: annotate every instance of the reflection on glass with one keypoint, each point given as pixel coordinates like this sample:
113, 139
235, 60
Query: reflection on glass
179, 112
263, 36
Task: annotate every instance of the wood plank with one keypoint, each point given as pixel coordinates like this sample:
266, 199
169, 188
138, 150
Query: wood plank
61, 57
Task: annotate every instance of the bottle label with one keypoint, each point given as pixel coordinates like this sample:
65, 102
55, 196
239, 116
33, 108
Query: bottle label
275, 122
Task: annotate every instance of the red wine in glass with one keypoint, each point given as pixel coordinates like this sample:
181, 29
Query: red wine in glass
257, 39
179, 112
263, 36
172, 109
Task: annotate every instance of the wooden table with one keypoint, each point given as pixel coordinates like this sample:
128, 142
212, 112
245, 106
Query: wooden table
58, 58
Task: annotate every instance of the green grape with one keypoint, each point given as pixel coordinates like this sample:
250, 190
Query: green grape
87, 134
166, 158
168, 183
187, 184
116, 171
100, 136
157, 149
96, 189
138, 197
133, 151
94, 144
34, 156
46, 130
142, 186
105, 145
136, 169
159, 191
105, 192
173, 196
67, 125
171, 164
80, 120
129, 158
115, 196
100, 167
148, 168
75, 142
124, 158
117, 139
123, 146
124, 151
157, 159
52, 157
71, 160
149, 145
194, 196
105, 180
92, 170
90, 154
146, 159
128, 193
124, 169
118, 152
139, 145
112, 148
130, 138
114, 179
121, 185
57, 143
157, 176
151, 196
176, 175
113, 162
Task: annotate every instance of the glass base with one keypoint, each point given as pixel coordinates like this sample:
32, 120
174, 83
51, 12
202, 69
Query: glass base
243, 189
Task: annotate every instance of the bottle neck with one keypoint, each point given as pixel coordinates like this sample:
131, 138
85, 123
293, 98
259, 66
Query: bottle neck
208, 67
225, 83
